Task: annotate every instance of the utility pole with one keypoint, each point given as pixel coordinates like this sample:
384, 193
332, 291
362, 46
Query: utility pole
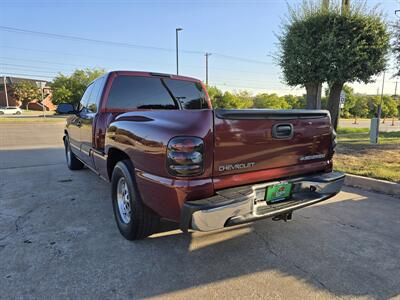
207, 55
5, 89
177, 49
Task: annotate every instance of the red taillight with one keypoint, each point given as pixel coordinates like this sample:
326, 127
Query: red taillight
333, 144
185, 156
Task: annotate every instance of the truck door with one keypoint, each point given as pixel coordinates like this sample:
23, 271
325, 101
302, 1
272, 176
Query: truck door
88, 119
74, 129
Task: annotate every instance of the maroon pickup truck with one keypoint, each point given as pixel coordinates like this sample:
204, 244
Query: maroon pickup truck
169, 155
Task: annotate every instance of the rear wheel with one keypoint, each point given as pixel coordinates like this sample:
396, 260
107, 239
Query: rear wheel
135, 221
72, 162
18, 113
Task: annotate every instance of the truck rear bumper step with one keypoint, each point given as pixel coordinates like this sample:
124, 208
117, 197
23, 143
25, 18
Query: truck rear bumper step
244, 204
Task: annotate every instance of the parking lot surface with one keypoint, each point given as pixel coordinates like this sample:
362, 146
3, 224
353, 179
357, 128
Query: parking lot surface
58, 240
364, 123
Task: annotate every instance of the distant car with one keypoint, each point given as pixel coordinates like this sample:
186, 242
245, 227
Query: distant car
10, 110
65, 109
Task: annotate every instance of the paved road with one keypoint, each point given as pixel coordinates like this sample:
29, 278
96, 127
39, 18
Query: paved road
58, 240
387, 126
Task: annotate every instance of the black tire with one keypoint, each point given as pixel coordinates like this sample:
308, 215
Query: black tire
142, 221
18, 113
72, 162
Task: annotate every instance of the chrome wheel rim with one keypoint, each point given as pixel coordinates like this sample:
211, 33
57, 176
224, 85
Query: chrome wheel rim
123, 199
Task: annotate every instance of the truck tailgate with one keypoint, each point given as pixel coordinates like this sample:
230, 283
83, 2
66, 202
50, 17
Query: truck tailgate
253, 140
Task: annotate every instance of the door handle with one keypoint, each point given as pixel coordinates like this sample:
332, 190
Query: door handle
282, 131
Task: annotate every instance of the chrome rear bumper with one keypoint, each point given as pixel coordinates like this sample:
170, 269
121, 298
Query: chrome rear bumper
246, 203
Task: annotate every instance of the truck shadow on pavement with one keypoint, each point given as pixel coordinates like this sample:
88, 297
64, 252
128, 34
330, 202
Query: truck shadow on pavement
58, 239
342, 248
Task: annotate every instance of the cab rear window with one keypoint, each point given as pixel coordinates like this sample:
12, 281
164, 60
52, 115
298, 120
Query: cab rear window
134, 92
190, 94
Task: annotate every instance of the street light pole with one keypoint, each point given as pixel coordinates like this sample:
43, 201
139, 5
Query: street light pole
44, 109
380, 108
207, 55
5, 89
380, 104
177, 49
41, 85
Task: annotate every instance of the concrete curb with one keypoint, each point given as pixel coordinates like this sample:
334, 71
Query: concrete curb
372, 184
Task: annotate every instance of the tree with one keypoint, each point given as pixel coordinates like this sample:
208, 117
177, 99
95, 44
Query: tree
373, 104
26, 91
272, 101
348, 104
245, 98
319, 45
295, 102
300, 50
69, 89
215, 95
362, 45
389, 107
359, 108
230, 100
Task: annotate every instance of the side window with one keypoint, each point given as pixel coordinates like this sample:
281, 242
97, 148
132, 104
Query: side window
190, 94
131, 92
94, 98
85, 98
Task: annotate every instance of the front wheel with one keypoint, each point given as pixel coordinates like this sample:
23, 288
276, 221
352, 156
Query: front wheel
135, 221
72, 162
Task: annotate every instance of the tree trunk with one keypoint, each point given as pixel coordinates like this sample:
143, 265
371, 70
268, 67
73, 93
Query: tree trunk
334, 102
312, 95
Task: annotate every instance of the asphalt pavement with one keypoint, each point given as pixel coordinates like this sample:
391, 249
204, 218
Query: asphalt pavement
388, 125
58, 240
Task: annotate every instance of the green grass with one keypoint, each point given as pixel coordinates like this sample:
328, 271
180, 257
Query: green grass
355, 154
346, 130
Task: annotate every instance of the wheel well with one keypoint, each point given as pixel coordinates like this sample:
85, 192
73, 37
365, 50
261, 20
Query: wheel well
114, 156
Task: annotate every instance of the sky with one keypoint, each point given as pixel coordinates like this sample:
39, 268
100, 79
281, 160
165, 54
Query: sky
240, 35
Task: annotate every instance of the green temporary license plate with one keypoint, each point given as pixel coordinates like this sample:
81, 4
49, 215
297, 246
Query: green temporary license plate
278, 192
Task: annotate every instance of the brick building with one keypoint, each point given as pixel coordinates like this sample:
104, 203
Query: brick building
12, 101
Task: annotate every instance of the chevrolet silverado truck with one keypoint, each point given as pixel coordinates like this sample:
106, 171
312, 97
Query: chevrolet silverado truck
169, 155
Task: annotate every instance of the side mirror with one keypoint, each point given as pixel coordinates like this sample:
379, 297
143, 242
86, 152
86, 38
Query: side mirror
65, 108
